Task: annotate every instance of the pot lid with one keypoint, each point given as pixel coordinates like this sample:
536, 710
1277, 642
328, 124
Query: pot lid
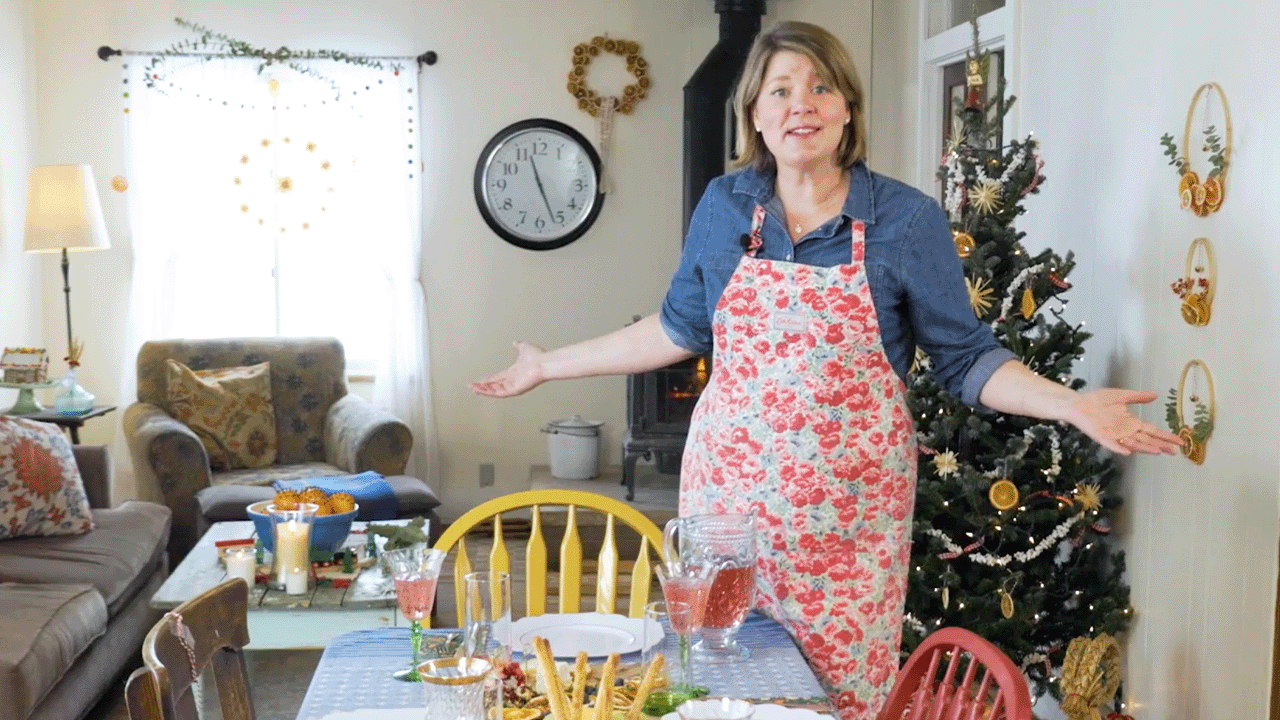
576, 422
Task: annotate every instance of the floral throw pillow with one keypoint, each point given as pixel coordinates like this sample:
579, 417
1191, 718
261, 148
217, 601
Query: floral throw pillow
41, 491
229, 409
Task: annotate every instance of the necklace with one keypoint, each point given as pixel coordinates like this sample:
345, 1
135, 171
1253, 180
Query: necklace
799, 227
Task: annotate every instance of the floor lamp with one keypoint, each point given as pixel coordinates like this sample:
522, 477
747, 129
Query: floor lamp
64, 214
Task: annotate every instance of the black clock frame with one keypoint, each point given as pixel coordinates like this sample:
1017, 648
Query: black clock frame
486, 156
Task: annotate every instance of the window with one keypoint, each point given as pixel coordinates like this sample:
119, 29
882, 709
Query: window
273, 203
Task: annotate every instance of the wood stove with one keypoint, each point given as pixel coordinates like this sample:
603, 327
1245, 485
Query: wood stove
659, 406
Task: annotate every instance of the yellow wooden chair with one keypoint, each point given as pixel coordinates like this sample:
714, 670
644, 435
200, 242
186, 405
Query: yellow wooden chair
571, 564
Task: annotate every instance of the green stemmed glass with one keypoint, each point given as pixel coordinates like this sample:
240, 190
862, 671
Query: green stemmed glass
415, 570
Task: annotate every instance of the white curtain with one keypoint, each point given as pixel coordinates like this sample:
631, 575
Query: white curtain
285, 201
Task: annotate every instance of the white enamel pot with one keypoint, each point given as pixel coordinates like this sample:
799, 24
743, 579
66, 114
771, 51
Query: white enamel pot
574, 445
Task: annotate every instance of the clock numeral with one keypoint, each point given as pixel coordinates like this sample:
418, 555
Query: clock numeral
523, 214
539, 223
579, 185
559, 217
506, 203
510, 168
572, 205
522, 154
540, 147
500, 183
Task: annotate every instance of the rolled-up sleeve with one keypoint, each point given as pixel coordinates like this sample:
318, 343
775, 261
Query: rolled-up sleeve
963, 349
684, 310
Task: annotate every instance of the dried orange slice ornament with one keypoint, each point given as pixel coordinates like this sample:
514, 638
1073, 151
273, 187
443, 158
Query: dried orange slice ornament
1212, 193
1003, 494
1195, 310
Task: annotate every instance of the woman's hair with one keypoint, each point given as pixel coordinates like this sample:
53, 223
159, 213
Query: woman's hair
830, 59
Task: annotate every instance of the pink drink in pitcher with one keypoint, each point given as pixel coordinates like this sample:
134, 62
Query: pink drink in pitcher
416, 595
730, 597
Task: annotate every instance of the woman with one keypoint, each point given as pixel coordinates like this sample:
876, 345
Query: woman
812, 279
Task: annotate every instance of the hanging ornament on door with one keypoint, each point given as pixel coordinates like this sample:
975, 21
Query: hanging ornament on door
603, 107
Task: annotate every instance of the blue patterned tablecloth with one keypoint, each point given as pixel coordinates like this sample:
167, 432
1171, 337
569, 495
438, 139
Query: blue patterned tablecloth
355, 671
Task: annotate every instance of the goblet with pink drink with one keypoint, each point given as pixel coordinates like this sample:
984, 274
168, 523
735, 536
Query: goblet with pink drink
685, 585
415, 570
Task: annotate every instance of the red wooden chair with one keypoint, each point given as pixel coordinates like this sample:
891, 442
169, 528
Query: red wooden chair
977, 682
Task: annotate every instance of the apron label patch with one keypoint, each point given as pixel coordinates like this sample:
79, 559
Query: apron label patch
790, 322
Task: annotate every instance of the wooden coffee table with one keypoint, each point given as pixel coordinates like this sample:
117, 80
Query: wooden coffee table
278, 621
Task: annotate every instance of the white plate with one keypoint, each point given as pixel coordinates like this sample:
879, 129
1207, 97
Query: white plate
770, 711
599, 634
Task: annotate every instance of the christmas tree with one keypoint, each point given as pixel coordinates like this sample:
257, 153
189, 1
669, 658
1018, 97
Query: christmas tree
1011, 512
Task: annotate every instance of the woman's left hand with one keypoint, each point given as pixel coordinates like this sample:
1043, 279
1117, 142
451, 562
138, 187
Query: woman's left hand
1104, 415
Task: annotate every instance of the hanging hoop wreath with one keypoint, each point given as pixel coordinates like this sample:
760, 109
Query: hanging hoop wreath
592, 102
1195, 437
1197, 286
603, 107
1202, 196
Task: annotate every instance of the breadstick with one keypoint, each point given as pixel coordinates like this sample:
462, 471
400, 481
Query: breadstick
604, 695
555, 691
579, 685
646, 685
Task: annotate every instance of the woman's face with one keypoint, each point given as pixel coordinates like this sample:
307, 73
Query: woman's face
800, 117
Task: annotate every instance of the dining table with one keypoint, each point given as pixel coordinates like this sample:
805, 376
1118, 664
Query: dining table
354, 676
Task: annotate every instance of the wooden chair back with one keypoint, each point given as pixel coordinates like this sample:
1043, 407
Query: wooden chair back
569, 584
956, 675
216, 633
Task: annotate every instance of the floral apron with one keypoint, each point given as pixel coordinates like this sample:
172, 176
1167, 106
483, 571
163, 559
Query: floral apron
805, 423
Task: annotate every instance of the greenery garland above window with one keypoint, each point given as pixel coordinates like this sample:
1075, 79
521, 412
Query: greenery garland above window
210, 45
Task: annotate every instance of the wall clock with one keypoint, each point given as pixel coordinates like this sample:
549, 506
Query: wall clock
537, 184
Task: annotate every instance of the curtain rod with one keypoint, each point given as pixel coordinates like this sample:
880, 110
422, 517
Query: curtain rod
427, 58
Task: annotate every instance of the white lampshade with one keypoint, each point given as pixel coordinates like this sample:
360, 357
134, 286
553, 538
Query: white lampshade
63, 211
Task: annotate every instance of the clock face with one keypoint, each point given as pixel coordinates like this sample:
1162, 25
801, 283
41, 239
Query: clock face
537, 184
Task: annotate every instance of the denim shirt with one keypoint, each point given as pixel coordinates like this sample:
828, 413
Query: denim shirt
916, 278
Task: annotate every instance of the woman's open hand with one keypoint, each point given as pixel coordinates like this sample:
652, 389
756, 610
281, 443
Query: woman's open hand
524, 374
1104, 415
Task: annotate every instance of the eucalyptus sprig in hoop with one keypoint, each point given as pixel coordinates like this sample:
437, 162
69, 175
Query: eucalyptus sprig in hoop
1195, 436
1202, 196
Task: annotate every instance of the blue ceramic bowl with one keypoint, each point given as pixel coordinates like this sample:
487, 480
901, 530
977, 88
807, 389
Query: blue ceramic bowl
327, 534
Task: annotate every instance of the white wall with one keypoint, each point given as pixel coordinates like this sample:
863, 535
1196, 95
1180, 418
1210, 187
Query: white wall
500, 61
21, 324
1100, 82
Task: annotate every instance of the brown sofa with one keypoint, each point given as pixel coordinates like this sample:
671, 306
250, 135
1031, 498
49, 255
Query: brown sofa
75, 608
322, 430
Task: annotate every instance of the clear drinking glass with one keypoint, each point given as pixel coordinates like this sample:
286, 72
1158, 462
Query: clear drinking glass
686, 586
415, 570
726, 542
486, 629
454, 688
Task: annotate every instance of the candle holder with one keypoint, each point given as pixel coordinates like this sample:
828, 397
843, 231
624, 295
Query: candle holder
291, 560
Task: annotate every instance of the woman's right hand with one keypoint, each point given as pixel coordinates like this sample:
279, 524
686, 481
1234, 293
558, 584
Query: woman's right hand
524, 374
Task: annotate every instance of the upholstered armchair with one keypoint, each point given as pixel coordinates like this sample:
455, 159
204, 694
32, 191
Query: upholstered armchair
321, 429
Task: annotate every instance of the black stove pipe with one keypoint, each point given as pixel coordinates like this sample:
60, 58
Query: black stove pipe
706, 98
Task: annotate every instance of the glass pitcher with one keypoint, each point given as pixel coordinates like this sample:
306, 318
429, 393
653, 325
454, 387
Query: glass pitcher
726, 542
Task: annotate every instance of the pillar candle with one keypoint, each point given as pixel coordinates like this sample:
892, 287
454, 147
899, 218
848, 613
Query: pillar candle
295, 581
240, 563
292, 540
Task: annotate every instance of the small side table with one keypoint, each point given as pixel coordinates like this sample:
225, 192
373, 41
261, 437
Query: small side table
71, 422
